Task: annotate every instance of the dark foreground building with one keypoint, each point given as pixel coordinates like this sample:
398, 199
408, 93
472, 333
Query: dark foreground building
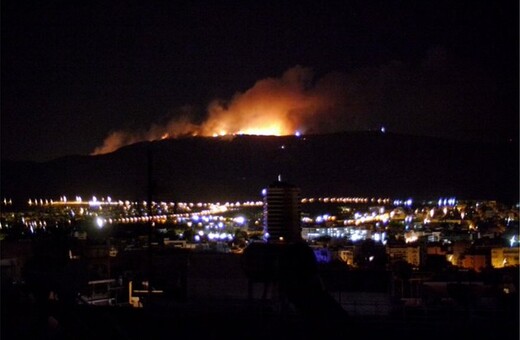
269, 292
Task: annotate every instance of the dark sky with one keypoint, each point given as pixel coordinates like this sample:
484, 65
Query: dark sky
73, 73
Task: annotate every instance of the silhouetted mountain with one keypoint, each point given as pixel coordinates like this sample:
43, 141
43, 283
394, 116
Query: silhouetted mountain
366, 164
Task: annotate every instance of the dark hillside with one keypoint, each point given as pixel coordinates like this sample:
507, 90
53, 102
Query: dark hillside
219, 169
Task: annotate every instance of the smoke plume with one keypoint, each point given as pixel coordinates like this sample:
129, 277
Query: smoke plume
439, 96
273, 106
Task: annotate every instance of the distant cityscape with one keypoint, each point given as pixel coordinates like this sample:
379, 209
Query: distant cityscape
442, 226
417, 250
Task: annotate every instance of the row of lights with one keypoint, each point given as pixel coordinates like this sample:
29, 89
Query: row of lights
94, 202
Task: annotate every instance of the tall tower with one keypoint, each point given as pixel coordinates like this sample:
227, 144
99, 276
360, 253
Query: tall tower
282, 212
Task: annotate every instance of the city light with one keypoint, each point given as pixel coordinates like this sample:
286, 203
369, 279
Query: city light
352, 219
100, 222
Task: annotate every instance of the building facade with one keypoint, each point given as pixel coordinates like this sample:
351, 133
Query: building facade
282, 212
505, 257
410, 254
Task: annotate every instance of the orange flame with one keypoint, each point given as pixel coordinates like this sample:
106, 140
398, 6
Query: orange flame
273, 106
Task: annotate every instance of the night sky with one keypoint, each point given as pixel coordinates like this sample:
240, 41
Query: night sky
73, 73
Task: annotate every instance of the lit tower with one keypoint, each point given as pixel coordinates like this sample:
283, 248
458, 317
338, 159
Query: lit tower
282, 212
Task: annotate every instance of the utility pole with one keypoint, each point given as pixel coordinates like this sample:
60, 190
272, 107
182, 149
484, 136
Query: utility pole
150, 223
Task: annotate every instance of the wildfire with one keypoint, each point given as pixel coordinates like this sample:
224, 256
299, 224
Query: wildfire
273, 106
269, 129
261, 129
273, 130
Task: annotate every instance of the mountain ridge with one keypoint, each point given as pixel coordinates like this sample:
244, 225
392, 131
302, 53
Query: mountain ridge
365, 164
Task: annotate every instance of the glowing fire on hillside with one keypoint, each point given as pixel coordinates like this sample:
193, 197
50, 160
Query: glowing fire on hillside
273, 106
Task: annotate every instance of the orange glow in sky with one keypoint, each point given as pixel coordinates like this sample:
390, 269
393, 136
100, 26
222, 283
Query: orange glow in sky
272, 106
